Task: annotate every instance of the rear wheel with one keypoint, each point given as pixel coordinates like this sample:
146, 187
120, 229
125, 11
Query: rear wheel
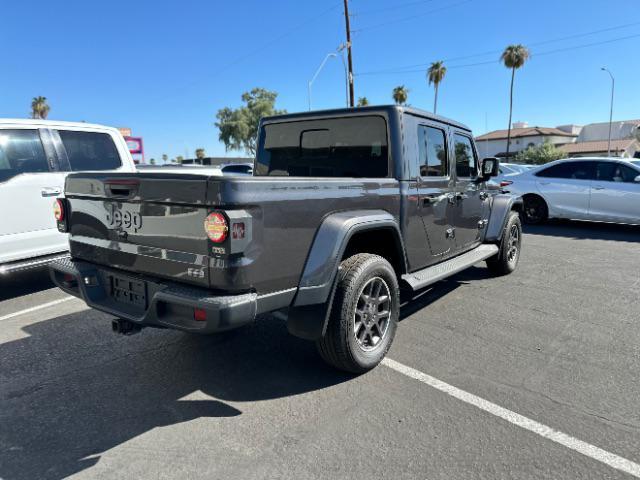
506, 260
364, 314
535, 209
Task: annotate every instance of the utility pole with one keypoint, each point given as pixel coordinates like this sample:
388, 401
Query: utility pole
613, 86
350, 60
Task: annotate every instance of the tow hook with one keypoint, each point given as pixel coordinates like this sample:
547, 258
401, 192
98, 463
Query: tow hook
125, 327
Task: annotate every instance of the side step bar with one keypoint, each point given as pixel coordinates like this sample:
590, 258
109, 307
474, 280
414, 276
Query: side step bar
28, 264
435, 273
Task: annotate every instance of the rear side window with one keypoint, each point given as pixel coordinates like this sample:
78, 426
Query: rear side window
571, 170
466, 160
615, 172
432, 151
333, 147
241, 169
21, 151
90, 150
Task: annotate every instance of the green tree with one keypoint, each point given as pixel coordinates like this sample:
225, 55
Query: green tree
200, 154
152, 161
165, 158
513, 57
362, 102
435, 75
39, 108
239, 127
400, 95
537, 155
179, 159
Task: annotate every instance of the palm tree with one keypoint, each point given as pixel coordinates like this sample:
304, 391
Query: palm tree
435, 74
513, 57
165, 158
363, 101
400, 95
39, 108
200, 153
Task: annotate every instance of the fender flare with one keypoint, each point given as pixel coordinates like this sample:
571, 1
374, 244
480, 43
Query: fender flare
309, 312
501, 205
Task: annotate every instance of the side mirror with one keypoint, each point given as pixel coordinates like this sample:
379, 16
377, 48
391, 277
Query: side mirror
637, 179
490, 167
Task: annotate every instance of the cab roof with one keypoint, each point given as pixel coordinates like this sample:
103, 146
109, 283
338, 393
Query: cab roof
52, 123
369, 109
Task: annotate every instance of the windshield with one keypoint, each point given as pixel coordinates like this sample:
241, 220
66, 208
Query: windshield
636, 162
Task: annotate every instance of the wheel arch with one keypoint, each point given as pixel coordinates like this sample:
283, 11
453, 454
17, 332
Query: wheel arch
340, 235
501, 206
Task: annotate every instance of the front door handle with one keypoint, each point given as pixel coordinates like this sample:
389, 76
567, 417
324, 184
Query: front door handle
483, 195
50, 191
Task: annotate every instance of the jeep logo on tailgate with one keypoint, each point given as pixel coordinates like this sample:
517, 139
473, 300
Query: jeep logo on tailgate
122, 217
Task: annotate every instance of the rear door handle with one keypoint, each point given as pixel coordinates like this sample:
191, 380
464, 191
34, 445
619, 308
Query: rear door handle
50, 191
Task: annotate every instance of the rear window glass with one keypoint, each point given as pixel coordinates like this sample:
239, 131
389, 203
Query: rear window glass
90, 150
21, 152
572, 170
336, 147
243, 169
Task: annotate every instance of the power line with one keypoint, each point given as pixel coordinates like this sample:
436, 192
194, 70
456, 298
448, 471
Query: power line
405, 19
498, 52
251, 53
548, 52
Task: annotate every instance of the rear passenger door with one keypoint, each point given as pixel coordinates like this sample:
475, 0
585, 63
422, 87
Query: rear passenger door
30, 180
434, 189
469, 193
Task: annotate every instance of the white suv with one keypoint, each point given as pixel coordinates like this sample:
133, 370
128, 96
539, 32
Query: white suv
35, 157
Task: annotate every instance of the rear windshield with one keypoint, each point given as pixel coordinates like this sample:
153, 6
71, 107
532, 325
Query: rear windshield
333, 147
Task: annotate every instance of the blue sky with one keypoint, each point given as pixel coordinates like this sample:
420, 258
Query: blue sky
165, 68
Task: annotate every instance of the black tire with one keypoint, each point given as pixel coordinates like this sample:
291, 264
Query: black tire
506, 260
535, 210
340, 347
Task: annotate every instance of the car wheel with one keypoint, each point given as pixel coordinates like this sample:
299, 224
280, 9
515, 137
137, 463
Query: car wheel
364, 314
535, 209
506, 260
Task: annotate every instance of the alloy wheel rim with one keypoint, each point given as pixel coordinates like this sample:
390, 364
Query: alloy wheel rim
534, 210
513, 244
372, 314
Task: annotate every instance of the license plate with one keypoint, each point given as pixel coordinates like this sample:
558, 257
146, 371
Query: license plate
128, 290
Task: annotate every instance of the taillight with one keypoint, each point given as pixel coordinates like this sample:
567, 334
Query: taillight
505, 183
58, 210
216, 227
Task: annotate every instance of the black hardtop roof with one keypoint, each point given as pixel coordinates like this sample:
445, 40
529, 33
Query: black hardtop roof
369, 109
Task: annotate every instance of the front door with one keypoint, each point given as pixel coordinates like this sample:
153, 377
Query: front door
615, 195
469, 194
566, 187
434, 190
28, 186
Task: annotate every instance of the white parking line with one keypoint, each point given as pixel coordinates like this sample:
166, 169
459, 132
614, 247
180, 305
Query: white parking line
521, 421
38, 307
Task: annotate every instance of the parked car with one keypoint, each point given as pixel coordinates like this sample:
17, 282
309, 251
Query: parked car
345, 207
35, 158
598, 189
507, 170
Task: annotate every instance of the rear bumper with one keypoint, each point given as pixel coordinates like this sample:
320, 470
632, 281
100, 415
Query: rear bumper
160, 303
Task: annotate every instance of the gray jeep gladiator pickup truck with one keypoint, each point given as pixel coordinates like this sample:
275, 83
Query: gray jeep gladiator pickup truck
345, 209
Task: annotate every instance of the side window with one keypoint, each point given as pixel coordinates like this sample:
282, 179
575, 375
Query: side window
615, 172
90, 150
466, 160
432, 152
571, 170
21, 151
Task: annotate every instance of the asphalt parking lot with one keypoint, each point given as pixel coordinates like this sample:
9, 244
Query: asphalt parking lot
557, 343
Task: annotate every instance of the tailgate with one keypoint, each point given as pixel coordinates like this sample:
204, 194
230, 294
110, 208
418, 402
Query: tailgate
150, 223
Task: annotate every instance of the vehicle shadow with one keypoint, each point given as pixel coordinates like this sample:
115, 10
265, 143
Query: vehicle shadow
586, 230
25, 283
412, 303
70, 390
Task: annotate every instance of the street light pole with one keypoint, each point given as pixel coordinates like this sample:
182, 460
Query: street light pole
613, 86
341, 49
329, 55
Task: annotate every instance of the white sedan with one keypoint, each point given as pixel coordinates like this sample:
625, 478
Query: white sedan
597, 189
